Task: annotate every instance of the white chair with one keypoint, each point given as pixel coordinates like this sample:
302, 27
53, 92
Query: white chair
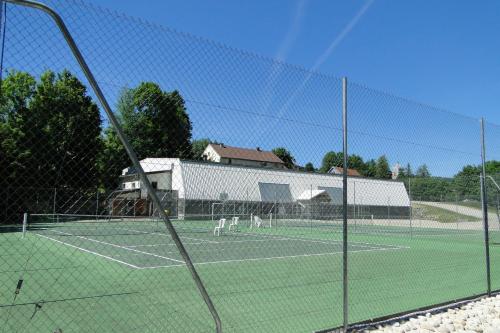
234, 223
257, 221
219, 227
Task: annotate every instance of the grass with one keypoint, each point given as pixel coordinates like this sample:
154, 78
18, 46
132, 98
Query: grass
476, 205
81, 291
427, 212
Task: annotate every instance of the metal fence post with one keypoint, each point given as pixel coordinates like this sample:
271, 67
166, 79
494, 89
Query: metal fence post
344, 203
484, 204
128, 148
411, 206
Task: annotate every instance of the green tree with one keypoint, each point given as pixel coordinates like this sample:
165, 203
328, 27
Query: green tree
330, 160
370, 169
198, 147
286, 156
382, 169
309, 167
423, 171
156, 123
356, 162
49, 136
409, 170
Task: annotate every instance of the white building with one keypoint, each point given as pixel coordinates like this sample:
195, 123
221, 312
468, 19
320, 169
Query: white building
201, 183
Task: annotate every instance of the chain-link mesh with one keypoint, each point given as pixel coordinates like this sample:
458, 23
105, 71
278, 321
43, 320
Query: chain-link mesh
492, 182
434, 223
244, 154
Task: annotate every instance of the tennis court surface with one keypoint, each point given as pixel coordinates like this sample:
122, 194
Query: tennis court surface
145, 243
88, 273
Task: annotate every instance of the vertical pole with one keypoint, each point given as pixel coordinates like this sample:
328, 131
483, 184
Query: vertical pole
25, 223
388, 208
484, 201
54, 202
344, 204
411, 206
311, 209
456, 207
97, 205
354, 204
498, 210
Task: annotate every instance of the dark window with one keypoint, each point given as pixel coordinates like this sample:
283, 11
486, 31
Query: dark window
229, 161
154, 184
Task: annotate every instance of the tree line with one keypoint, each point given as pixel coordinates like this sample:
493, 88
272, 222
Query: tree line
52, 135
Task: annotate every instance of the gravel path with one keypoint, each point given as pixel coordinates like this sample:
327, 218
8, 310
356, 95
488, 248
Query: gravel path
482, 316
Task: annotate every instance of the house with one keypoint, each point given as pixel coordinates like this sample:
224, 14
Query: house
340, 171
220, 153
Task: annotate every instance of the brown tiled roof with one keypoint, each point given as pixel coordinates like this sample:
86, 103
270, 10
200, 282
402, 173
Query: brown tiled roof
246, 154
350, 172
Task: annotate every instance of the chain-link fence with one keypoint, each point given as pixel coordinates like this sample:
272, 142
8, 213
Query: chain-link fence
155, 181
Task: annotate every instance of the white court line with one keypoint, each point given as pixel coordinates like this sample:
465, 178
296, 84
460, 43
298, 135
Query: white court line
271, 258
88, 251
119, 246
370, 249
161, 244
164, 234
333, 241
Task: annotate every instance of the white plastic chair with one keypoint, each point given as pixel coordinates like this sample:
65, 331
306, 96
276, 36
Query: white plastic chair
257, 221
219, 227
234, 223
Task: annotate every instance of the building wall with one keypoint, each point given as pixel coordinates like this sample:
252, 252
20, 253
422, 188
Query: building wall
208, 181
162, 179
212, 155
255, 164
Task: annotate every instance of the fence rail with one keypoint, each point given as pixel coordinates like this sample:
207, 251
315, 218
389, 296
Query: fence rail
152, 180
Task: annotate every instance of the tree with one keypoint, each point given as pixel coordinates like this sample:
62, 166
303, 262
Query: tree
356, 162
286, 156
370, 168
409, 170
71, 129
156, 123
49, 137
309, 167
330, 160
198, 147
423, 171
382, 169
17, 90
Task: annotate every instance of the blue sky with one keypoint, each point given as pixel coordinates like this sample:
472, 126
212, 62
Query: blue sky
443, 54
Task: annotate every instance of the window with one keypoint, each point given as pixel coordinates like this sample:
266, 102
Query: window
154, 185
229, 161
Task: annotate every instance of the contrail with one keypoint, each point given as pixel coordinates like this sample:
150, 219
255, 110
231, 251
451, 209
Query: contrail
325, 55
347, 29
282, 54
293, 32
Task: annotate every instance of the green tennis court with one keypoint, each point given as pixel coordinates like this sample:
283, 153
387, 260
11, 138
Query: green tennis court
254, 275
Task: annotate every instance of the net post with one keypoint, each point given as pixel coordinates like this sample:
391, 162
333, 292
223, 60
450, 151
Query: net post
484, 204
345, 313
25, 224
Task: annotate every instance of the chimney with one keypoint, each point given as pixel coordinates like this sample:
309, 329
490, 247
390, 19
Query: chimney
258, 149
